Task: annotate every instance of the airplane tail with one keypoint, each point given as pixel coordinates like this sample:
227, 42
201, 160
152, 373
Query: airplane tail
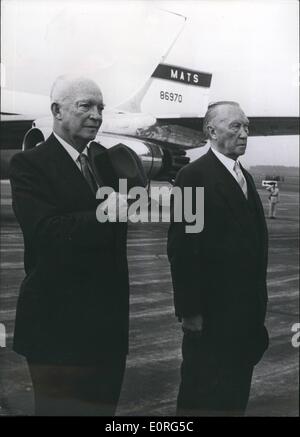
171, 91
177, 92
133, 104
121, 66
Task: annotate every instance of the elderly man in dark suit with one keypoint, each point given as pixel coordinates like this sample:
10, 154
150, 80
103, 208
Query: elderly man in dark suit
72, 312
219, 274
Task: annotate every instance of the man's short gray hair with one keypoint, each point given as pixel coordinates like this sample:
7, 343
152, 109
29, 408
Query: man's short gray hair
211, 112
58, 89
65, 85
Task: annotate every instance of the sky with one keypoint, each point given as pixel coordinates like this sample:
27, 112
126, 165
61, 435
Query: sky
114, 42
250, 47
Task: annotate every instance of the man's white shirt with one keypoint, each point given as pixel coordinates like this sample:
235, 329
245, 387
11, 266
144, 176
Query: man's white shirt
71, 150
229, 164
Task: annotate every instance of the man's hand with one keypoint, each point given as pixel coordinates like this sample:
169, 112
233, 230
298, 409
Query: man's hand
115, 207
193, 323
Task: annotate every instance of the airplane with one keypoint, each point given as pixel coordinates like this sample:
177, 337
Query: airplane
177, 98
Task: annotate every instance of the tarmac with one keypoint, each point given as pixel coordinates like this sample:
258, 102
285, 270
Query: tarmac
152, 374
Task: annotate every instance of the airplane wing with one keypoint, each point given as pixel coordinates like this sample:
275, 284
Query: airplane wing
161, 146
187, 131
259, 126
265, 126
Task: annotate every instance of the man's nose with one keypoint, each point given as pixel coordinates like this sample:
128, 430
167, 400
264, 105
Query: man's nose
244, 132
95, 114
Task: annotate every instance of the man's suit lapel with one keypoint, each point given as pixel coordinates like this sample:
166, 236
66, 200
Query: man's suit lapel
232, 194
257, 200
227, 187
260, 211
68, 174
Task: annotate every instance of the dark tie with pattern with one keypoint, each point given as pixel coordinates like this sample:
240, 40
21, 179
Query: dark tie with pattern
87, 172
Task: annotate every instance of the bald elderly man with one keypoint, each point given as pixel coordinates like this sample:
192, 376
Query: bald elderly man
72, 313
219, 274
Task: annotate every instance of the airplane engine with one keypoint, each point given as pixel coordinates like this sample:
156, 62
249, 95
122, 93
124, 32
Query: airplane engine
34, 137
160, 162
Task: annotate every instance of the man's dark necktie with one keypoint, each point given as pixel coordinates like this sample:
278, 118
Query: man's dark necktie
87, 172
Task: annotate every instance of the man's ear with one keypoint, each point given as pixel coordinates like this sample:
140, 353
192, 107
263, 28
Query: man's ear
56, 110
211, 132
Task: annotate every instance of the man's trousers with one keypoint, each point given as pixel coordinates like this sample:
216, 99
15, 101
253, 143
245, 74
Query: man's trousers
209, 385
77, 390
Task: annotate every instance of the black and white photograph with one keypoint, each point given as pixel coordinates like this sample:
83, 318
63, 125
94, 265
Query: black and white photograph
149, 210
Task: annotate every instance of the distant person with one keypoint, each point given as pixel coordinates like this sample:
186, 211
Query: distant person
219, 274
72, 312
273, 199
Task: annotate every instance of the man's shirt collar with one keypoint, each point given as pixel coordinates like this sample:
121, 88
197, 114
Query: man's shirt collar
70, 149
228, 162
